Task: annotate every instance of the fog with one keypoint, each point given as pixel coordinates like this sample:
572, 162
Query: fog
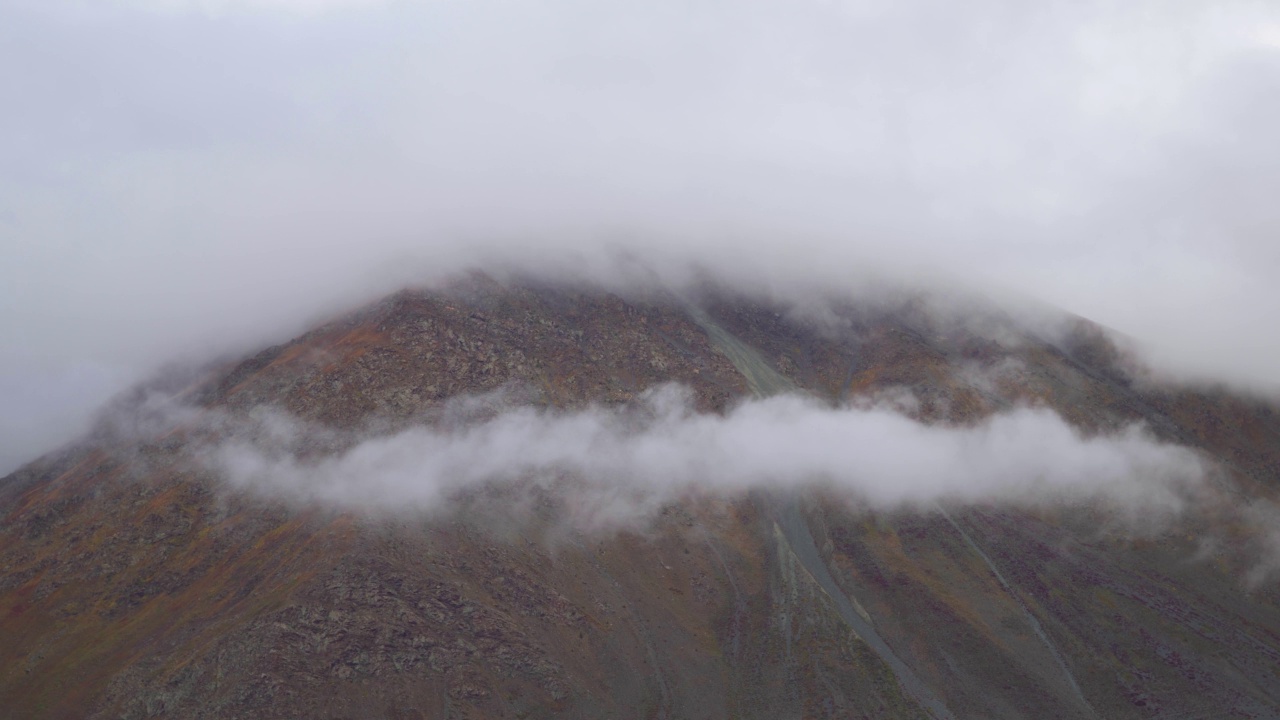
189, 178
617, 467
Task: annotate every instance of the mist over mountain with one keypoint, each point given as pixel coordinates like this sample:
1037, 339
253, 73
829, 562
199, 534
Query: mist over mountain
518, 497
182, 179
497, 359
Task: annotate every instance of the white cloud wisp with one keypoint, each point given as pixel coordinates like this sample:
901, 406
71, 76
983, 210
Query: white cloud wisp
619, 466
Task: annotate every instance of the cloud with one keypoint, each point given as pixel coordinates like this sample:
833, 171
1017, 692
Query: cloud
1262, 520
206, 177
618, 466
217, 8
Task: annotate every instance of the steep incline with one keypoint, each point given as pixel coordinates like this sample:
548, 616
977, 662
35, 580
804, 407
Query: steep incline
765, 381
136, 585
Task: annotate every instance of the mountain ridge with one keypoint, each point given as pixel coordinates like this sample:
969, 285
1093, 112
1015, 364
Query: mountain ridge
137, 585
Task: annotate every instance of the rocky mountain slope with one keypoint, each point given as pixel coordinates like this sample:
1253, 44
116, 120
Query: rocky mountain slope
135, 584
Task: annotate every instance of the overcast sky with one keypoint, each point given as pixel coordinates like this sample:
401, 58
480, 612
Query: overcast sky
183, 178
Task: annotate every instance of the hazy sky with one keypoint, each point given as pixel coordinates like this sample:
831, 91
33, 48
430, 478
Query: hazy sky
181, 178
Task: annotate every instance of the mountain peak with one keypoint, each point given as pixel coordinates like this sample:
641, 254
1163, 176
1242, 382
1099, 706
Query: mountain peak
141, 581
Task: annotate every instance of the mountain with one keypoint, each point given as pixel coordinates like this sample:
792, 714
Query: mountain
136, 583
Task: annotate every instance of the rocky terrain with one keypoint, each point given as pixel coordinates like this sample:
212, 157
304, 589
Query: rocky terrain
134, 584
